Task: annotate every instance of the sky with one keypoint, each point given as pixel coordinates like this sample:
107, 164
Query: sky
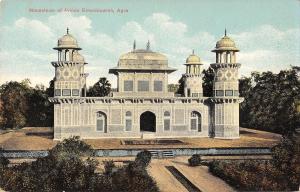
266, 31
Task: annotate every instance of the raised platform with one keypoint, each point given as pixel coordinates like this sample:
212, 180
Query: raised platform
40, 138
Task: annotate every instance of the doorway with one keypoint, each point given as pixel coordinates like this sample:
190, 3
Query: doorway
148, 122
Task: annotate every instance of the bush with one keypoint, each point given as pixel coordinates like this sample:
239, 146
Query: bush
109, 167
133, 178
143, 158
72, 145
282, 173
195, 160
3, 162
64, 170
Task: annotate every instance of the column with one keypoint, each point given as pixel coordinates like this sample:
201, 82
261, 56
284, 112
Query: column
134, 83
234, 57
165, 83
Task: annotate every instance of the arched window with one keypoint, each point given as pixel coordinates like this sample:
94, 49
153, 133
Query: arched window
195, 121
101, 122
167, 121
128, 121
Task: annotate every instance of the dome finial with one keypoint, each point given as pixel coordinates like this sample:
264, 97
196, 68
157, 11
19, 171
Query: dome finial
193, 52
134, 45
67, 30
148, 45
225, 31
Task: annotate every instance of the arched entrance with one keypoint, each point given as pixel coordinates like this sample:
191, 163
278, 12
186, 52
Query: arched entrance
148, 121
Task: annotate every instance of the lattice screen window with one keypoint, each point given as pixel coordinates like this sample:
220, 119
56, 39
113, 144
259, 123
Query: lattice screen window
228, 92
128, 121
75, 92
167, 121
236, 93
128, 85
143, 85
195, 121
101, 122
158, 86
195, 95
66, 92
219, 93
57, 92
193, 124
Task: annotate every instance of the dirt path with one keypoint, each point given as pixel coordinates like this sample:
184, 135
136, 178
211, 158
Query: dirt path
164, 179
199, 176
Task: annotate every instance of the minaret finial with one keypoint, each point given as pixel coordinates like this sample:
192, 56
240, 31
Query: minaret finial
148, 45
67, 30
225, 31
134, 45
193, 52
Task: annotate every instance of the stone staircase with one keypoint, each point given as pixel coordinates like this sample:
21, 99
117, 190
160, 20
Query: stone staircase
161, 154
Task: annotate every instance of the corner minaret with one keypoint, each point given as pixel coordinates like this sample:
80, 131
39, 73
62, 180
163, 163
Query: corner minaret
192, 77
226, 90
70, 79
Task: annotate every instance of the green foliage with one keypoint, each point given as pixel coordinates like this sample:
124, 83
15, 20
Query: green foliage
3, 162
180, 89
22, 105
64, 169
195, 160
271, 101
208, 79
72, 145
173, 88
40, 110
101, 88
282, 173
286, 159
143, 158
14, 104
133, 178
109, 167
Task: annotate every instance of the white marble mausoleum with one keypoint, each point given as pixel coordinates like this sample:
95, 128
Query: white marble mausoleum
142, 107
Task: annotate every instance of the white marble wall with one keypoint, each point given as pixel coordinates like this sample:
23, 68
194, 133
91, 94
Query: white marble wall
80, 119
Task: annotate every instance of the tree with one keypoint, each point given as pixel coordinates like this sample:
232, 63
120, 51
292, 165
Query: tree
101, 88
180, 89
15, 105
195, 160
286, 159
2, 116
173, 88
271, 102
143, 158
208, 80
40, 110
245, 88
50, 89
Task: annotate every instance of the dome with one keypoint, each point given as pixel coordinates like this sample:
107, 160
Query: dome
193, 59
226, 44
141, 54
144, 60
67, 41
